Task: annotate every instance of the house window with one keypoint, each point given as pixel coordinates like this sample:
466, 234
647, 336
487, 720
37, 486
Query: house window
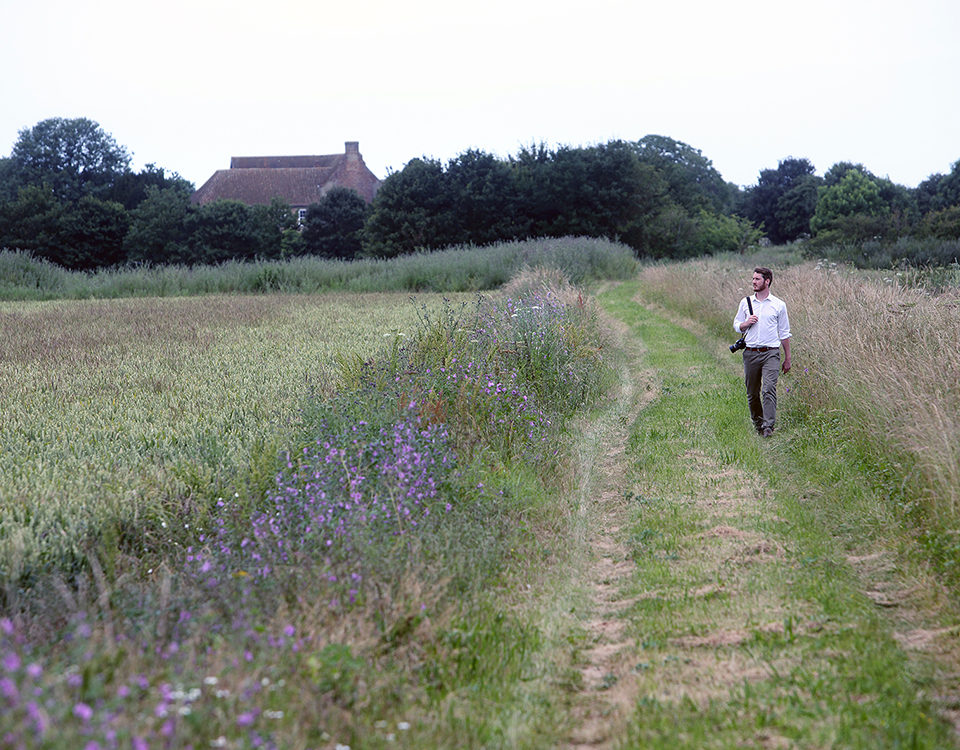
301, 216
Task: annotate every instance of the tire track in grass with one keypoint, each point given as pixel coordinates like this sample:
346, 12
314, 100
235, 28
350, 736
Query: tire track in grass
605, 695
723, 609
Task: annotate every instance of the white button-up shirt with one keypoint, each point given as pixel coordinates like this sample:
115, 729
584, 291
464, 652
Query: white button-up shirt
773, 325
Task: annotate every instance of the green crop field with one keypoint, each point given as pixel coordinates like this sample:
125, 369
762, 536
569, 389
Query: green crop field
119, 408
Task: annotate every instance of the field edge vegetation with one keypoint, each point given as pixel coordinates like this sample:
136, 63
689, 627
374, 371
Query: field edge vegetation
366, 592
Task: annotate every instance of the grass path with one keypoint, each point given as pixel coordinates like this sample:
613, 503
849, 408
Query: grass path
735, 595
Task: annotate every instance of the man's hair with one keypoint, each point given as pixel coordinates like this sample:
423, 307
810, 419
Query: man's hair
766, 273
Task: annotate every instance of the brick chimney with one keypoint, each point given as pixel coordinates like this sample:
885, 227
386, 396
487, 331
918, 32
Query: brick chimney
353, 173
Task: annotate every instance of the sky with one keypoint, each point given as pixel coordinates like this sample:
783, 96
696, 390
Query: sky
187, 84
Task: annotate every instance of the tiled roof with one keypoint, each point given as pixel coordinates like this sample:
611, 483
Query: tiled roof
251, 185
299, 180
291, 162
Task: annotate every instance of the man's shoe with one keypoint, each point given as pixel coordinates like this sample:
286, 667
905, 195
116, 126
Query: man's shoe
768, 432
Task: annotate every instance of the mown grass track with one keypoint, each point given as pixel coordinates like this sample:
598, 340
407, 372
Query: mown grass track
747, 615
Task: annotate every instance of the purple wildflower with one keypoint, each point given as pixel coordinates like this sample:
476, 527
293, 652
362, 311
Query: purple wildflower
83, 712
11, 662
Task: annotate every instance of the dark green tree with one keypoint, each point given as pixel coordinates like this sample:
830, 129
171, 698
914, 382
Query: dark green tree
334, 224
130, 188
158, 232
692, 180
927, 196
33, 222
599, 191
669, 233
904, 213
616, 193
8, 183
412, 211
539, 201
83, 235
714, 234
92, 232
73, 157
796, 206
941, 225
938, 191
485, 199
220, 231
761, 203
269, 223
557, 199
948, 191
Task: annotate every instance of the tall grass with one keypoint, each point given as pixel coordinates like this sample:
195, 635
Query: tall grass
875, 359
457, 269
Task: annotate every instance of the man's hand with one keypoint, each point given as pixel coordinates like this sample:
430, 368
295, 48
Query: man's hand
748, 322
786, 364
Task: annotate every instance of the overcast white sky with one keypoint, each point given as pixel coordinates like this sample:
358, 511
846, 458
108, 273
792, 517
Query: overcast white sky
186, 84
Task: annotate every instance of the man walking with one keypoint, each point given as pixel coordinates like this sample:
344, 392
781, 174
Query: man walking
762, 318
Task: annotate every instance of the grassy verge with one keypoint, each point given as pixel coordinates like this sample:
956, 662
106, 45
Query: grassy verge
769, 598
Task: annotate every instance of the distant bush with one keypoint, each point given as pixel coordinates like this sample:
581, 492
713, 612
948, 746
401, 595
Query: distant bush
943, 225
905, 252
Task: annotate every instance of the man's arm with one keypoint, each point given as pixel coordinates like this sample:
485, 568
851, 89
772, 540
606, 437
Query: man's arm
783, 325
742, 321
739, 318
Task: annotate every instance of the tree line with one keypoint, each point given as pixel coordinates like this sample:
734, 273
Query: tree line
67, 194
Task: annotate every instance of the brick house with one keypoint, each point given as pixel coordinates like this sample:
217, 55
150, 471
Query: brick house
299, 180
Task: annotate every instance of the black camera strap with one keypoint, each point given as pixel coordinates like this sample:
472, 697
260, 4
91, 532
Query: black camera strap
743, 335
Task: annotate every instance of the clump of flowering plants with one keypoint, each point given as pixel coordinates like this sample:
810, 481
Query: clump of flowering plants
340, 503
505, 373
370, 485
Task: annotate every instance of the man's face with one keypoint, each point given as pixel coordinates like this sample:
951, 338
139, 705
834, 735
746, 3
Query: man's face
759, 283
